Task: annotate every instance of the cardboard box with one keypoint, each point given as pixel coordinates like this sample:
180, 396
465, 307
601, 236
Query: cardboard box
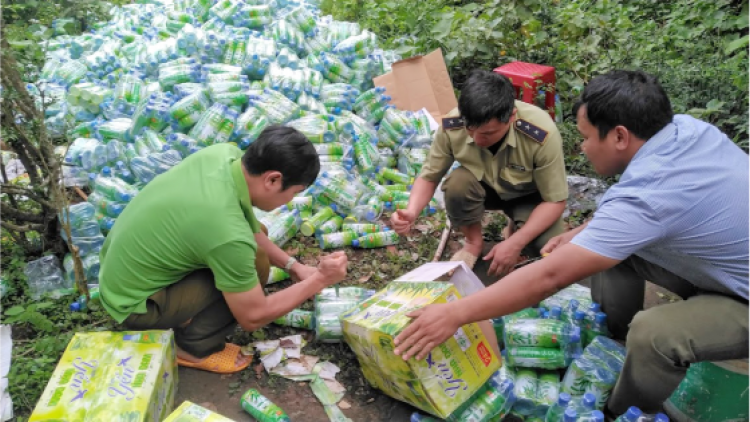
191, 412
420, 82
455, 272
452, 373
128, 376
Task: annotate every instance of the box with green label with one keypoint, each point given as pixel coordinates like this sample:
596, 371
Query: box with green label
128, 376
441, 382
191, 412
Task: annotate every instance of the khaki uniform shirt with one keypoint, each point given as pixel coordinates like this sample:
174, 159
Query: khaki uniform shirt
530, 160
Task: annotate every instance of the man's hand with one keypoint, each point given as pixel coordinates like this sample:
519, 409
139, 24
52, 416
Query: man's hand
503, 256
301, 272
558, 241
402, 220
332, 268
432, 326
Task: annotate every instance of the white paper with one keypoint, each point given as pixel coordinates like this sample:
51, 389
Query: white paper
274, 352
328, 371
272, 359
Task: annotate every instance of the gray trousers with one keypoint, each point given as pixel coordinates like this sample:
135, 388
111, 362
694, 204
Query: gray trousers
664, 340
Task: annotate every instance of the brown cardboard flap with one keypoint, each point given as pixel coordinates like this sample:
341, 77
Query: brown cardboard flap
420, 82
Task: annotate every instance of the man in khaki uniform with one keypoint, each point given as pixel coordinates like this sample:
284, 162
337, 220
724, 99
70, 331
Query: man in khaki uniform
511, 159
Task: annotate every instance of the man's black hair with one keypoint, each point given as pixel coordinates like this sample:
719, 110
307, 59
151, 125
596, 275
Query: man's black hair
485, 96
286, 150
630, 98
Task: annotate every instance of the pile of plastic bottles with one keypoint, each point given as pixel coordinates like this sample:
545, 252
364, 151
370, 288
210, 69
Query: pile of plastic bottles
44, 276
160, 81
635, 414
574, 305
86, 236
539, 344
596, 370
329, 305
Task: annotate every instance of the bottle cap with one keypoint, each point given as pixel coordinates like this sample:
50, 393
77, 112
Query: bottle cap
633, 413
661, 417
355, 243
563, 399
575, 336
597, 416
578, 315
555, 312
570, 414
589, 400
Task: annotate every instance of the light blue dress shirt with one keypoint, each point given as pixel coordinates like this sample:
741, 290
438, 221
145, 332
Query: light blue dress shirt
682, 204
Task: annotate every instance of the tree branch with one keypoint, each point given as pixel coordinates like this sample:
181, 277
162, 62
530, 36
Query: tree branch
22, 229
30, 193
18, 215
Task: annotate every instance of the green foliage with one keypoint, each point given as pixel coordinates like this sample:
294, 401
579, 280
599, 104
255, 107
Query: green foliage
41, 329
697, 48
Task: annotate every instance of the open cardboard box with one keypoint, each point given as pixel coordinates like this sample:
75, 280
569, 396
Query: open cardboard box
456, 272
453, 372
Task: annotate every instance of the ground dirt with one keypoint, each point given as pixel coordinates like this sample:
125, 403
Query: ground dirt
369, 269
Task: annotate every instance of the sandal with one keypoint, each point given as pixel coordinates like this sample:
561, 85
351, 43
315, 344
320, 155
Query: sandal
224, 362
468, 259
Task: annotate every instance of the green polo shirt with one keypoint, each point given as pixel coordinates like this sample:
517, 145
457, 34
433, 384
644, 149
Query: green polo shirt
196, 215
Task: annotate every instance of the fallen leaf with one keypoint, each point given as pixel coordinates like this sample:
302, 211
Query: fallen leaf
365, 278
345, 405
258, 370
370, 400
414, 256
391, 249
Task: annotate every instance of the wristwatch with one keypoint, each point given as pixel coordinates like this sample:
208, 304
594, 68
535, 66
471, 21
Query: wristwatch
289, 263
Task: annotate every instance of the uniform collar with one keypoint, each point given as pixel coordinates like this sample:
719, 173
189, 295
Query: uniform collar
510, 137
243, 194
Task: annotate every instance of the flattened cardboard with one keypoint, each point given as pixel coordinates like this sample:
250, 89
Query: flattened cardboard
420, 82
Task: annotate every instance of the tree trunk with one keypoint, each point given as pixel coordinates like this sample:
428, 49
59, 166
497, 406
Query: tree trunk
34, 207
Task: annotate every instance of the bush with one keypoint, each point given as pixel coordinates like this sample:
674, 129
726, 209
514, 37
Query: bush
697, 48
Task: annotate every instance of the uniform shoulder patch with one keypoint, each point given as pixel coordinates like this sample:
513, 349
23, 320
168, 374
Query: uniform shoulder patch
532, 131
451, 123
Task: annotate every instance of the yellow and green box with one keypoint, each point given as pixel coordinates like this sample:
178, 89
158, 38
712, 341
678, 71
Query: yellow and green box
191, 412
128, 376
441, 382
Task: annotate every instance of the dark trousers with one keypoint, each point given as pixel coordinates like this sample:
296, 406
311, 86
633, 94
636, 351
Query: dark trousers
196, 299
664, 340
466, 199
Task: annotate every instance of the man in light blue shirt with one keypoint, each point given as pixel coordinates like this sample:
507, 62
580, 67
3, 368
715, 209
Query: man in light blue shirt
678, 217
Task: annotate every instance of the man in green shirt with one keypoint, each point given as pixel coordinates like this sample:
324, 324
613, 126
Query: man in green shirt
188, 253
